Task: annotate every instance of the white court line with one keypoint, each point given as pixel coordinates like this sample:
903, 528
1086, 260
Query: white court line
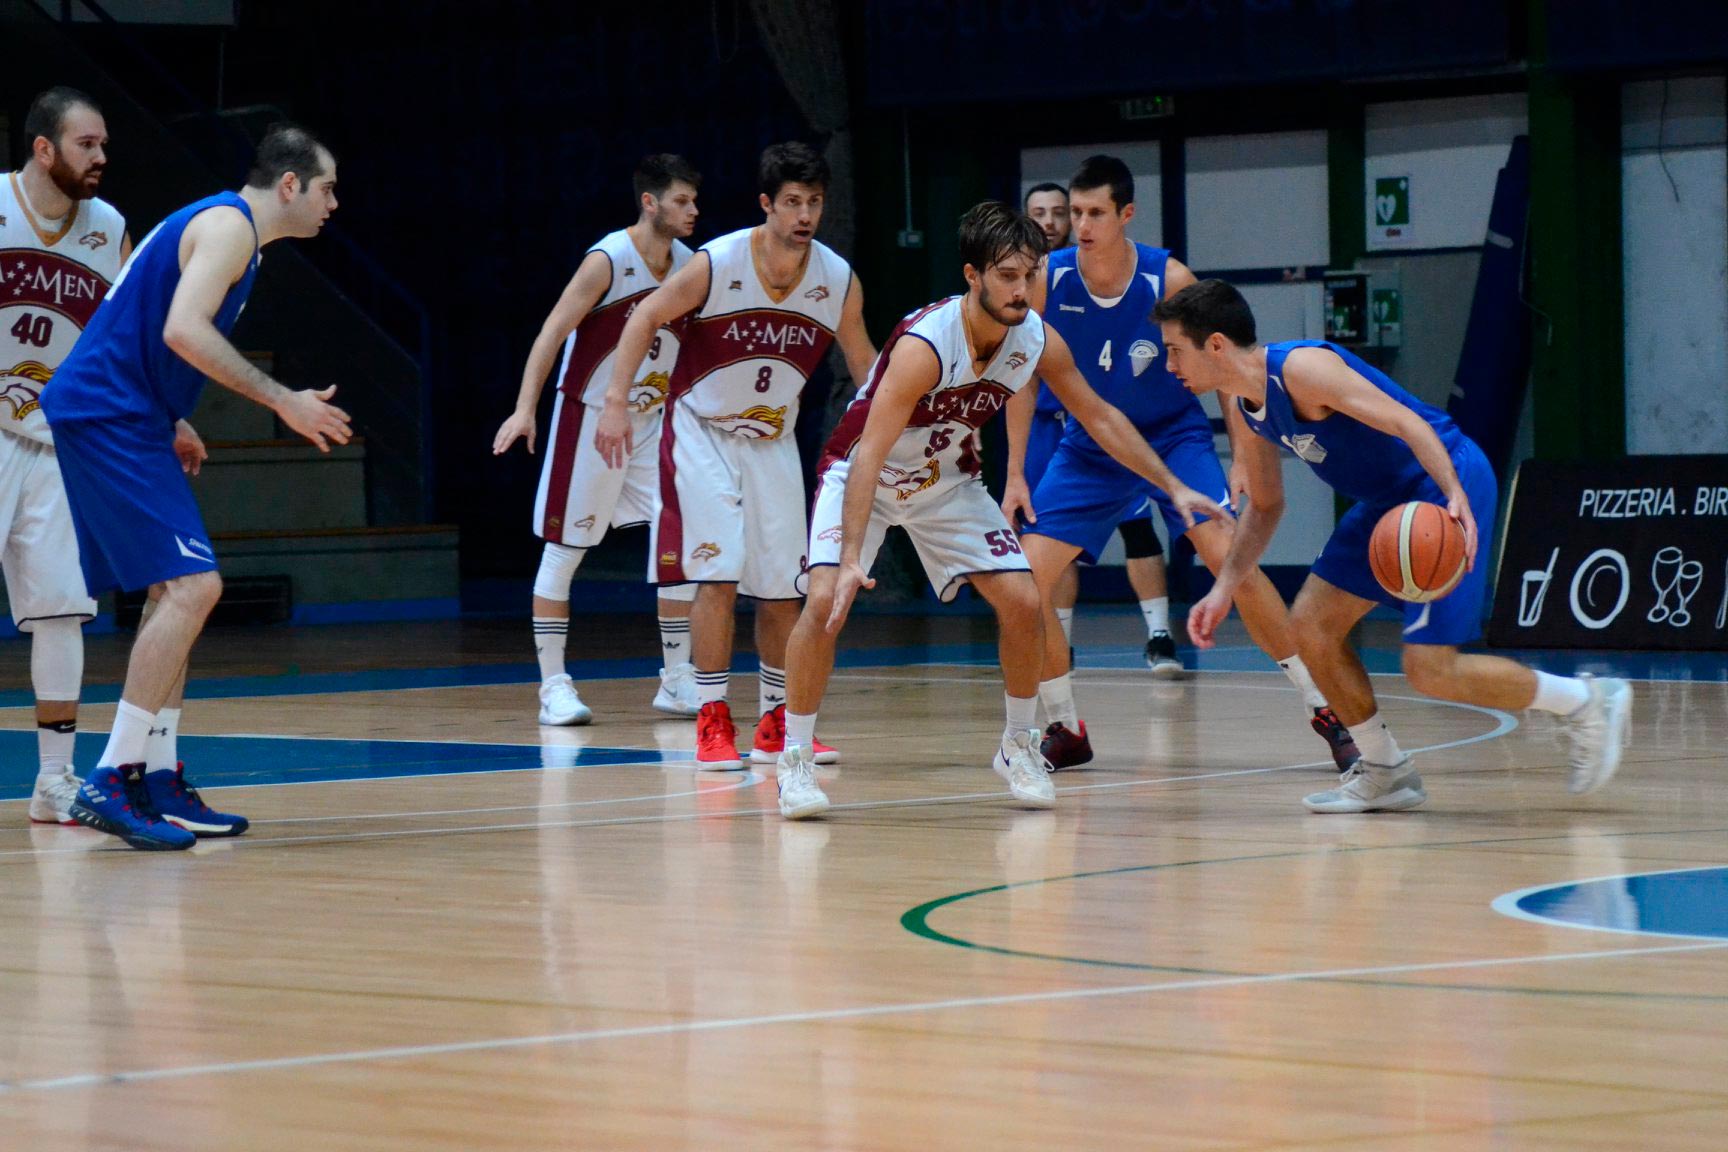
1506, 723
1507, 905
693, 1027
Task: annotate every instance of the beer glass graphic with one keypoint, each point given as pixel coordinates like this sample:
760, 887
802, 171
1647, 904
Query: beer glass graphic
1674, 575
1534, 590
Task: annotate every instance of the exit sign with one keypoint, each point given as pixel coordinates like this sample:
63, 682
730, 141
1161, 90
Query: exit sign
1146, 107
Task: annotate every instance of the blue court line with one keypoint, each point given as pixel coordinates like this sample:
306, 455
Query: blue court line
232, 761
1689, 903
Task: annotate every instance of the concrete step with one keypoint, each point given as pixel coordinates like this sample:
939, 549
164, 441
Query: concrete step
225, 415
358, 573
281, 485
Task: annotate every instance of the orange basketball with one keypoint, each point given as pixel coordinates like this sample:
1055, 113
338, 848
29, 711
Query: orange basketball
1417, 552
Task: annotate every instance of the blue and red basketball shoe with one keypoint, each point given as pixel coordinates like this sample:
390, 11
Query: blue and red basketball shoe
117, 801
179, 804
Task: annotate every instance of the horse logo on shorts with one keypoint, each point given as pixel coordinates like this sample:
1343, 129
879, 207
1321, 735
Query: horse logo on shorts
757, 422
649, 392
707, 550
21, 387
908, 483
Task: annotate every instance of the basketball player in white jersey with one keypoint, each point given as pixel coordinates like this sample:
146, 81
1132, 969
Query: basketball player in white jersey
762, 305
580, 497
60, 249
905, 453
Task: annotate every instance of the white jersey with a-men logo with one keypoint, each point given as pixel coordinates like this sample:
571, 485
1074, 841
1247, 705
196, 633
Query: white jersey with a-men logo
53, 274
579, 496
931, 484
732, 491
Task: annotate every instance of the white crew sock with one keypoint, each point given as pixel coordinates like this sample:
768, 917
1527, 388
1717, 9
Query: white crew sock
126, 740
770, 688
1298, 673
711, 686
1561, 695
54, 741
549, 639
1065, 617
1058, 697
1157, 613
1022, 715
675, 640
800, 729
1374, 741
160, 749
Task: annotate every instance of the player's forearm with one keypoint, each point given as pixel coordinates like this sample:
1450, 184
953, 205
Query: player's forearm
1432, 455
1117, 435
858, 503
534, 373
632, 350
1255, 526
202, 346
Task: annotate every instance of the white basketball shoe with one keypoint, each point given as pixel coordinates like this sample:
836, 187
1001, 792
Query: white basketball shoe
677, 694
1598, 732
560, 705
51, 803
1021, 764
800, 795
1369, 787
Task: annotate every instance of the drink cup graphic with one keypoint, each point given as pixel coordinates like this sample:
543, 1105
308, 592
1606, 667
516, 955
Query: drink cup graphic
1534, 590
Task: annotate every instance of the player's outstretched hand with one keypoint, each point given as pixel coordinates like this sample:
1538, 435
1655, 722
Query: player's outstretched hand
1191, 504
852, 577
312, 415
1017, 502
1204, 617
612, 435
519, 425
189, 447
1459, 509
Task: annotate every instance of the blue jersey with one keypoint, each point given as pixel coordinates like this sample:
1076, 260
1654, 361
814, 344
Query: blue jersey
1361, 462
121, 366
1120, 350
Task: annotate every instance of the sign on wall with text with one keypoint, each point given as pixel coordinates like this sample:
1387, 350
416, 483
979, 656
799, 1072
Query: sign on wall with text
1626, 553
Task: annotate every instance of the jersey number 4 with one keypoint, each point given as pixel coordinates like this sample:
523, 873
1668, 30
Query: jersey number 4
1104, 360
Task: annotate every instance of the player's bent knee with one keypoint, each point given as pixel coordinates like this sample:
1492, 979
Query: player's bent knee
196, 593
56, 658
1430, 668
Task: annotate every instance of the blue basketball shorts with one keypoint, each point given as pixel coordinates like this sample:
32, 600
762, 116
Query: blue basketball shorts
132, 508
1085, 493
1455, 618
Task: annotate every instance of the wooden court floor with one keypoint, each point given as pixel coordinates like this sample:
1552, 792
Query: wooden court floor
528, 939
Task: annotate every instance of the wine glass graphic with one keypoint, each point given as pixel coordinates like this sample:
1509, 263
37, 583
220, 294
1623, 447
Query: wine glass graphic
1673, 574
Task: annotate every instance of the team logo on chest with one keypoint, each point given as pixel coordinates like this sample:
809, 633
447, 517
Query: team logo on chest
969, 404
1306, 446
1141, 354
756, 334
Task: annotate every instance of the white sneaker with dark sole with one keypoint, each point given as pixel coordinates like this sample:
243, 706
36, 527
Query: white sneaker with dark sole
1372, 788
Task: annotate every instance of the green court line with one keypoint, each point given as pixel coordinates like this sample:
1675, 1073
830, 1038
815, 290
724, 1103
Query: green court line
916, 920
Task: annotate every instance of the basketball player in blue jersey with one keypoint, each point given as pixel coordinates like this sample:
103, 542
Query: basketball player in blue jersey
117, 408
1047, 204
1377, 444
1099, 296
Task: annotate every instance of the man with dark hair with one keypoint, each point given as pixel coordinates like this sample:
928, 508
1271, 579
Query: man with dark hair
1048, 205
905, 453
117, 407
761, 307
1375, 443
580, 496
1100, 296
60, 248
